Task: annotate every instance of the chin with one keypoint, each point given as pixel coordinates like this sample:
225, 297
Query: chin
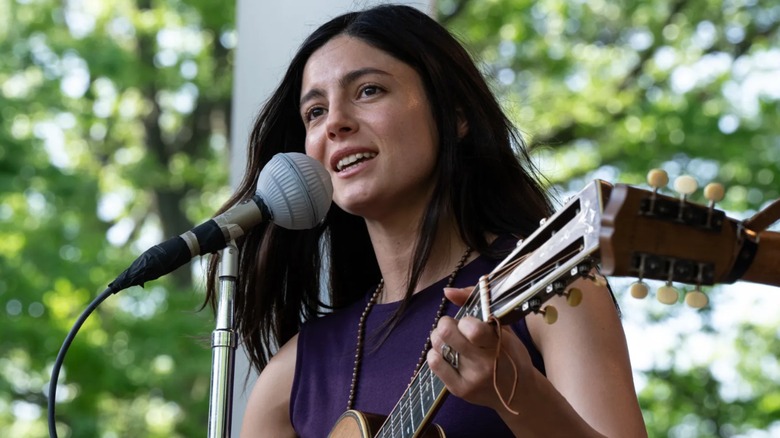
356, 210
352, 201
362, 208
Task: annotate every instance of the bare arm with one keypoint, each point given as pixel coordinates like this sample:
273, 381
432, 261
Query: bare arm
268, 409
588, 390
586, 360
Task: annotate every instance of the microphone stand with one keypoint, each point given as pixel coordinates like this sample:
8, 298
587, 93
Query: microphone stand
223, 347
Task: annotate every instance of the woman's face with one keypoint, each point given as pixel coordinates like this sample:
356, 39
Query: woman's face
368, 121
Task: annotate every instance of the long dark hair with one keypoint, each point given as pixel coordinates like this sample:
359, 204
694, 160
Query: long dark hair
484, 179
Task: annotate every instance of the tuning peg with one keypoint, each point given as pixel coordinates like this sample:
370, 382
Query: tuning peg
550, 314
657, 178
696, 298
668, 294
714, 192
573, 297
598, 280
639, 289
685, 185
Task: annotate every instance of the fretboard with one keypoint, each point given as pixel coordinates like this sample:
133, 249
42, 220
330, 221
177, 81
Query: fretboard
425, 394
422, 398
416, 407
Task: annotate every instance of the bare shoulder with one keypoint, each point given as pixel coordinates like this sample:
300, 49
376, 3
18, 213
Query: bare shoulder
595, 318
268, 409
586, 359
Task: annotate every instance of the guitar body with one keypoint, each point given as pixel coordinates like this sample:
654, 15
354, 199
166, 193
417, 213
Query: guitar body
356, 424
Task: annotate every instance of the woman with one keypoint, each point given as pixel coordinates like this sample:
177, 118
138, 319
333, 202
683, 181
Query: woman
431, 183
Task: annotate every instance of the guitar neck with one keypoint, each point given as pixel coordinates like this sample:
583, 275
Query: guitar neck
573, 241
416, 408
422, 398
765, 268
512, 298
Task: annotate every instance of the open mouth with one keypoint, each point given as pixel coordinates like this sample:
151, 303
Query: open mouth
354, 159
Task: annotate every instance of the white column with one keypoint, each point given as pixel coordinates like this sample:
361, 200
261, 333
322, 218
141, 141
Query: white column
269, 33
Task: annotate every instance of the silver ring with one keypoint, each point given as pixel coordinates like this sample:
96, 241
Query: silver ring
450, 355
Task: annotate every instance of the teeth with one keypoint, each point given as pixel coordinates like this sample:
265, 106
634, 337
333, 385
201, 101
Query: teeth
351, 159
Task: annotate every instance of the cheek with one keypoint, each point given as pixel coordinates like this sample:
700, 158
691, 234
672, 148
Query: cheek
314, 149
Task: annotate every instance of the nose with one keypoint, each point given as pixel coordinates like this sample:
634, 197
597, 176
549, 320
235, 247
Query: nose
341, 121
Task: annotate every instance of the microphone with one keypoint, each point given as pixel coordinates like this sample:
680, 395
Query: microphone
293, 191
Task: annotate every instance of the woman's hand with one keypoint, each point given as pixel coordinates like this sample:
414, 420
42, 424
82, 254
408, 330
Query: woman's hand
587, 390
475, 345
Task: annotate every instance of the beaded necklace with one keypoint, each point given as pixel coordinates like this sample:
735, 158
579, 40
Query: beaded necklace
364, 317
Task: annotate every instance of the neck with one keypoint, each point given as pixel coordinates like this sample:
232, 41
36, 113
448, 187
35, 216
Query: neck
395, 249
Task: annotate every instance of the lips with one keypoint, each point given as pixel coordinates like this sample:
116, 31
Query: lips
352, 159
345, 157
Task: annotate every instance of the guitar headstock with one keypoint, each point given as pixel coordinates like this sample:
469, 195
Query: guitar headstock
648, 235
563, 249
630, 232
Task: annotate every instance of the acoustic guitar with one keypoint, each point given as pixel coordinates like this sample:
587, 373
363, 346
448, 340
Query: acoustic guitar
615, 230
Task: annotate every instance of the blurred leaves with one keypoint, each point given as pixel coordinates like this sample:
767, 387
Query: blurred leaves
114, 122
612, 89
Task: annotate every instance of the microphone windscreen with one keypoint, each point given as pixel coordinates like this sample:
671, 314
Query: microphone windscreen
296, 189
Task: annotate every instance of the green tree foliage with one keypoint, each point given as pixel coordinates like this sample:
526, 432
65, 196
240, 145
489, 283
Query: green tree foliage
114, 121
113, 125
616, 87
611, 89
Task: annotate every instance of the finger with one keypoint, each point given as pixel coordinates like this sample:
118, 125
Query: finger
480, 334
442, 368
447, 332
458, 295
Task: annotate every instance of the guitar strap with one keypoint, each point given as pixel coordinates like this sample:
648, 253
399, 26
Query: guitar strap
748, 235
763, 219
744, 257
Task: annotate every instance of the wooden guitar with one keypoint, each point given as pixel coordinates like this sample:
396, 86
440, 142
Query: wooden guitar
627, 232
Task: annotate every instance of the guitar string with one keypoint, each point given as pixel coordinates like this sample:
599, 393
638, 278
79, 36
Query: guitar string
402, 412
413, 392
502, 274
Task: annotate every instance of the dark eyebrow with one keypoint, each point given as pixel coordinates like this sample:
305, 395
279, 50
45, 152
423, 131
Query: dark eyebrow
344, 81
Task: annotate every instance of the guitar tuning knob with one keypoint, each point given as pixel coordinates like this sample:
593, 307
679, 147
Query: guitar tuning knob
550, 314
714, 192
657, 178
696, 299
639, 290
573, 297
598, 280
667, 294
685, 185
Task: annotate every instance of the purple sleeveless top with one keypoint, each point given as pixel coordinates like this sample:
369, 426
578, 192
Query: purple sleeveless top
326, 353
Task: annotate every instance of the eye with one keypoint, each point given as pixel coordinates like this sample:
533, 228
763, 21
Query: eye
370, 90
312, 113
